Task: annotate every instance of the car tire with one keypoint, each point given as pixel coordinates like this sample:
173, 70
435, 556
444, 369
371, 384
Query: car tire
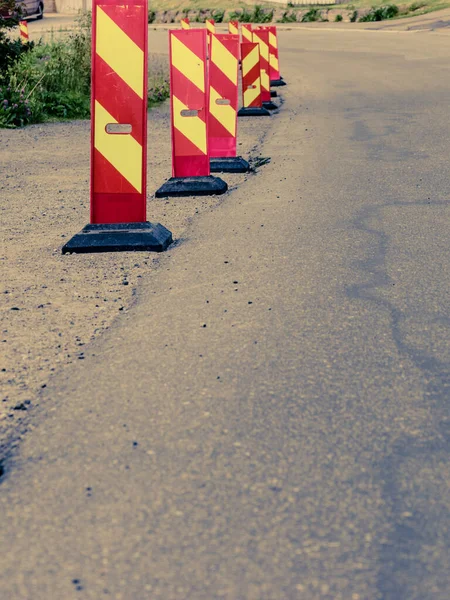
40, 13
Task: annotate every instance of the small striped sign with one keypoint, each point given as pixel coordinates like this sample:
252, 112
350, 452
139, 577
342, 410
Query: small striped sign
23, 28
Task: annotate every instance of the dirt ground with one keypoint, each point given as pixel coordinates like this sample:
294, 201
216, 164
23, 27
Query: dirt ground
52, 306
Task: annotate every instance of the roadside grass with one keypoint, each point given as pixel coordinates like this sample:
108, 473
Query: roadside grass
406, 9
52, 81
171, 11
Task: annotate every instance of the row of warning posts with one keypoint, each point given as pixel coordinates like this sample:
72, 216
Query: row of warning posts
206, 69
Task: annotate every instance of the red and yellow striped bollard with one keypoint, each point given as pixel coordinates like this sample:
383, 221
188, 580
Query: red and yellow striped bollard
119, 134
261, 37
233, 27
210, 26
251, 82
275, 77
189, 118
185, 24
23, 29
223, 105
247, 32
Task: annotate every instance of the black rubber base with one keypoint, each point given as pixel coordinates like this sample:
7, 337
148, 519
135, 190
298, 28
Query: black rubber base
253, 111
273, 94
232, 164
119, 237
270, 105
277, 82
192, 186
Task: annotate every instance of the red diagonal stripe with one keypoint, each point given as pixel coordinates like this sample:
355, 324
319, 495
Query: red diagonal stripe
253, 74
107, 178
223, 85
119, 99
216, 129
183, 145
188, 93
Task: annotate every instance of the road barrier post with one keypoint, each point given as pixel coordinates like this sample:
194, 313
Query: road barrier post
189, 118
119, 134
223, 105
185, 24
247, 33
251, 82
23, 29
274, 67
262, 38
233, 27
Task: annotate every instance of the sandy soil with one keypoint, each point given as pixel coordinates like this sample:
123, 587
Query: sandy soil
52, 306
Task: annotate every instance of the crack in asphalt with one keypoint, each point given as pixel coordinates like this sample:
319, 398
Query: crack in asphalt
403, 570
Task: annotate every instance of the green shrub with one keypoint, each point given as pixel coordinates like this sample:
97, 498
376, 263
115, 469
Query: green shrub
354, 16
151, 16
312, 15
258, 15
218, 16
15, 110
380, 13
338, 19
417, 6
288, 17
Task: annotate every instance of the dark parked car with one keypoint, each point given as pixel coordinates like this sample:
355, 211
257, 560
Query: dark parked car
32, 8
26, 9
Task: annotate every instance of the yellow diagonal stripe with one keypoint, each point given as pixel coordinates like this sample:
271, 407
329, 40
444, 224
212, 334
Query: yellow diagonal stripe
250, 61
224, 113
265, 80
232, 29
273, 62
185, 25
246, 33
120, 52
188, 63
273, 40
191, 127
252, 94
122, 151
223, 58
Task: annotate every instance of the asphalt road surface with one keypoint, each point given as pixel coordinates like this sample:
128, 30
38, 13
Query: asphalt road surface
271, 419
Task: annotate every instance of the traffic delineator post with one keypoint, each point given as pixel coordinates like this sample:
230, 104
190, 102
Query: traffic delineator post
223, 105
247, 33
261, 37
274, 65
251, 82
185, 23
23, 29
191, 175
119, 134
233, 27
